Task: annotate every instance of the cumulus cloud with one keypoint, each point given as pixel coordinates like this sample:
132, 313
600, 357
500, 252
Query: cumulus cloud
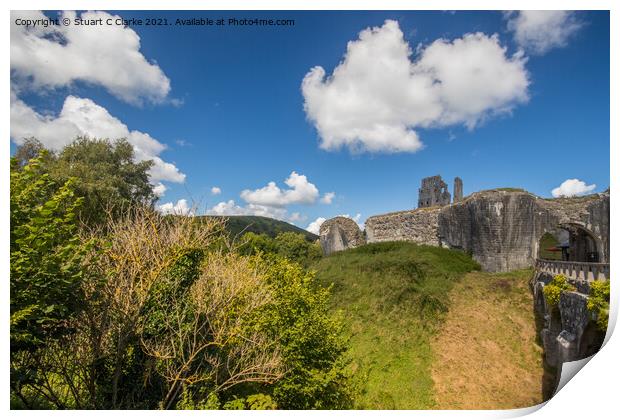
377, 96
315, 226
83, 117
104, 55
272, 201
230, 208
216, 190
328, 198
181, 208
301, 192
572, 187
538, 31
159, 190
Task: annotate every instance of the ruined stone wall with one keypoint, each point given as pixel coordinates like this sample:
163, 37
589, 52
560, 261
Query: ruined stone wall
458, 190
433, 192
502, 229
590, 213
569, 331
340, 233
419, 226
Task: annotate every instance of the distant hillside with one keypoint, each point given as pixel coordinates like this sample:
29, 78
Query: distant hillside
259, 224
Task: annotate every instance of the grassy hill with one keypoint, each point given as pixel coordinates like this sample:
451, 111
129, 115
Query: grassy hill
259, 224
410, 313
393, 296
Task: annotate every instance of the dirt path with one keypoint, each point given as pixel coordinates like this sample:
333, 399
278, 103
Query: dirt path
486, 355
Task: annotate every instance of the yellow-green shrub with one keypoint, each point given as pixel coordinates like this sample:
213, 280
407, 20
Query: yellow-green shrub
554, 289
598, 302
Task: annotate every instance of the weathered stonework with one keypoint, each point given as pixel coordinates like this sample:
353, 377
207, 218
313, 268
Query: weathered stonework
458, 190
569, 332
340, 233
419, 226
433, 192
502, 229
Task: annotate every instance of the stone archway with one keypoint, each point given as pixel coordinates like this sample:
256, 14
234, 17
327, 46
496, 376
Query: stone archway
569, 242
591, 341
583, 245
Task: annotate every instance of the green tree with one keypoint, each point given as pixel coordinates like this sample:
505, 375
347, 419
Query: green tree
107, 176
291, 245
104, 172
28, 150
46, 264
256, 243
296, 247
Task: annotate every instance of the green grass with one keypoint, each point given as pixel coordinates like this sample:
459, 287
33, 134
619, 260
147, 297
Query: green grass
393, 297
237, 225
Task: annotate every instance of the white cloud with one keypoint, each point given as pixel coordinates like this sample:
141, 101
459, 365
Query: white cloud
216, 190
272, 201
181, 208
159, 190
538, 31
105, 55
315, 226
83, 117
230, 208
328, 198
297, 217
301, 192
377, 96
572, 187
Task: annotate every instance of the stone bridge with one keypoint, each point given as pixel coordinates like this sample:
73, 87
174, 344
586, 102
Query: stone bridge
569, 331
579, 273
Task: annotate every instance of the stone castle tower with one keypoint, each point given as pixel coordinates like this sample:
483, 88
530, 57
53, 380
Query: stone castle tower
433, 192
458, 189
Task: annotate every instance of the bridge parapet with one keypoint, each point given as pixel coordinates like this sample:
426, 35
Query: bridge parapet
575, 271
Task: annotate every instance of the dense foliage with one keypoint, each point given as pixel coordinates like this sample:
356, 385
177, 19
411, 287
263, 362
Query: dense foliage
598, 302
290, 245
104, 173
554, 289
139, 310
46, 265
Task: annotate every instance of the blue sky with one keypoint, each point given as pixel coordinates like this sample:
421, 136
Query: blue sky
231, 114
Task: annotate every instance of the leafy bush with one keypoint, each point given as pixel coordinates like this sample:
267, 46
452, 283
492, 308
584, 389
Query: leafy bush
554, 289
46, 266
598, 302
169, 321
293, 246
311, 340
137, 310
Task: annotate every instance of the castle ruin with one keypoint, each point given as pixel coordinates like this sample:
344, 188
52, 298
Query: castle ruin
458, 189
502, 229
433, 192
